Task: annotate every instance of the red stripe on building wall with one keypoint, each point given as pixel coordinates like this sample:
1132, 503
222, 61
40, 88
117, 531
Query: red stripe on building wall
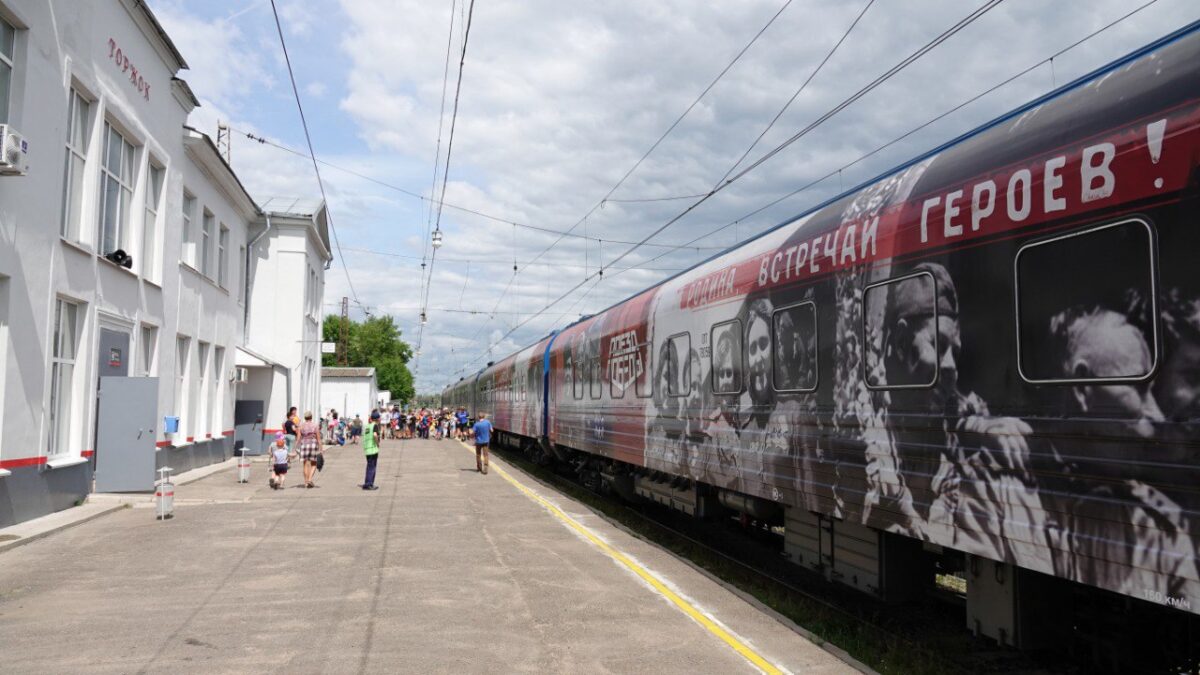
88, 453
191, 439
227, 432
208, 435
162, 444
271, 431
24, 461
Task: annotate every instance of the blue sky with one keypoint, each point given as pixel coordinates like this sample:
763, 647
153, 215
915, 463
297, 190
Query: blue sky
558, 102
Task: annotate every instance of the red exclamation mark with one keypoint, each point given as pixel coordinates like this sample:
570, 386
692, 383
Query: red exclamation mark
1154, 139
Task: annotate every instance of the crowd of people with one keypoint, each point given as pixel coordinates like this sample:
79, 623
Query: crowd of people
306, 439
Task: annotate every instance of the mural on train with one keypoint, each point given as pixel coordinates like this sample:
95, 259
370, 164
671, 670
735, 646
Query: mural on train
995, 349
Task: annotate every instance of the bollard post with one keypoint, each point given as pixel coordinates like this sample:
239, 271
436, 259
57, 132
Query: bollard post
164, 494
243, 466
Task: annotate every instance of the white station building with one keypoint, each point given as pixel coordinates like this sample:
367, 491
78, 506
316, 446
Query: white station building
149, 312
349, 391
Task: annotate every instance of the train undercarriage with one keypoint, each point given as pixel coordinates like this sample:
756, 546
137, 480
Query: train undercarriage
1074, 625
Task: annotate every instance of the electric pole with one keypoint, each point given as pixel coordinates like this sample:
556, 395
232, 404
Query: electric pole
343, 353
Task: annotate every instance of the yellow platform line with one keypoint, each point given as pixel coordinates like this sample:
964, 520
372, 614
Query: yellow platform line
657, 584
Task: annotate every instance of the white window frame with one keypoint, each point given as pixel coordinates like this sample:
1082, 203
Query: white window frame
203, 354
188, 249
222, 255
148, 349
124, 179
152, 201
8, 60
241, 263
216, 406
183, 355
60, 408
5, 285
206, 226
75, 164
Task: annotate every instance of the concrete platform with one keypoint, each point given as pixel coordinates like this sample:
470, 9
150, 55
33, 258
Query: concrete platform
441, 570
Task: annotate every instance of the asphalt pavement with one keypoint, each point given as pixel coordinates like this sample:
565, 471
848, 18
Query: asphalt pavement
440, 570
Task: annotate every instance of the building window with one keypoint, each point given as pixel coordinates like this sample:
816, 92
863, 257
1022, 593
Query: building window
182, 347
116, 190
218, 383
62, 376
77, 142
1087, 306
203, 383
8, 43
149, 340
206, 232
188, 250
726, 357
154, 185
795, 335
223, 257
241, 263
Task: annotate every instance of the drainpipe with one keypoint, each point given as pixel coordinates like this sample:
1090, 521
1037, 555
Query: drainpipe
250, 281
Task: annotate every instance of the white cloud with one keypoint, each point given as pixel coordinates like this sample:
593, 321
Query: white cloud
560, 99
315, 89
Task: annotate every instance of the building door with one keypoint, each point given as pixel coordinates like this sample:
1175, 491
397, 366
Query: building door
125, 424
114, 353
248, 427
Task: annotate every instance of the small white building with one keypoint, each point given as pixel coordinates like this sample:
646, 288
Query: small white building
349, 391
126, 243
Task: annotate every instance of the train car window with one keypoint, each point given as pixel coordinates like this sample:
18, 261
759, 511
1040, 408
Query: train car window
901, 332
1087, 309
678, 354
595, 383
576, 372
794, 360
643, 381
725, 357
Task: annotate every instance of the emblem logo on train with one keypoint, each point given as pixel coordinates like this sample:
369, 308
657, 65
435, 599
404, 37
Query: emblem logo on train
624, 360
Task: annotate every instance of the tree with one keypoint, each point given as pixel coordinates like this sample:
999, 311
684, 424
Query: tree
374, 343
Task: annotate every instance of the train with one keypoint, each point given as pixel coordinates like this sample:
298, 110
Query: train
989, 355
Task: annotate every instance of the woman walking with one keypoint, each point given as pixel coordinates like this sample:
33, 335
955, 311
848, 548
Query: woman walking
289, 428
309, 447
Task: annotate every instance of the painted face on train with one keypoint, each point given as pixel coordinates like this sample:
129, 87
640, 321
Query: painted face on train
923, 340
1101, 343
1177, 386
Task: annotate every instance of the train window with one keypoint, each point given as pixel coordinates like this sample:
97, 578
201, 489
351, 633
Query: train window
900, 332
794, 330
725, 357
595, 382
575, 370
1086, 306
643, 381
678, 350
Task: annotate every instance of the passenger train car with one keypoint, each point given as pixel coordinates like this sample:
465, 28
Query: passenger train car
993, 350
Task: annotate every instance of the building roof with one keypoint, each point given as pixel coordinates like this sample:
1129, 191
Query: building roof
167, 43
298, 207
347, 372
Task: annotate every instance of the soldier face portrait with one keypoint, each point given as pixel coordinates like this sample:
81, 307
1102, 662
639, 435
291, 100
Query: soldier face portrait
758, 359
1101, 343
1178, 386
727, 372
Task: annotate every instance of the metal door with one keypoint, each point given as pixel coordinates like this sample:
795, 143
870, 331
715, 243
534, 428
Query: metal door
128, 411
248, 427
114, 353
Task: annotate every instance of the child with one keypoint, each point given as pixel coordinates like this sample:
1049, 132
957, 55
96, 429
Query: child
279, 462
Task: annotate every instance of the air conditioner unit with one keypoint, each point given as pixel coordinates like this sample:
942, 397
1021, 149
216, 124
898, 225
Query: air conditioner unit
240, 375
14, 152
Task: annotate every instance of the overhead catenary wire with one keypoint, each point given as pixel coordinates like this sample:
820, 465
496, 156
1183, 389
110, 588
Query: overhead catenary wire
888, 74
446, 169
910, 132
312, 153
261, 140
